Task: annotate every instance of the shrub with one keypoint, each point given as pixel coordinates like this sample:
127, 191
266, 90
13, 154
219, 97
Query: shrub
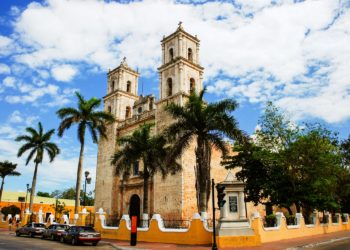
291, 220
270, 220
344, 218
11, 210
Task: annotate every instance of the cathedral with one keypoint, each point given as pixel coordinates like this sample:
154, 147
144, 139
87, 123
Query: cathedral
180, 74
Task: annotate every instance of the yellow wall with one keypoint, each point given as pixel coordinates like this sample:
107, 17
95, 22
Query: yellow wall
197, 234
46, 208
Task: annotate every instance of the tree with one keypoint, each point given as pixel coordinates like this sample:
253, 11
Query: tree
151, 150
207, 124
60, 208
285, 165
86, 117
10, 210
37, 142
7, 169
343, 187
43, 194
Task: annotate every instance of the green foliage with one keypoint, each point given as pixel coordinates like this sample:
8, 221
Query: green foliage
43, 194
60, 209
270, 220
287, 165
291, 220
86, 117
7, 169
210, 125
151, 150
11, 210
69, 194
37, 142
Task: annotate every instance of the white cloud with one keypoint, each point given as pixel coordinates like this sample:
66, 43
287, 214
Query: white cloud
64, 73
291, 53
32, 94
18, 117
15, 117
9, 82
4, 69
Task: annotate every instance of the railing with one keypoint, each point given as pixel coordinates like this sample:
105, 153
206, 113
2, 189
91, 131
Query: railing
136, 118
112, 221
176, 223
324, 219
291, 220
344, 218
335, 219
90, 220
144, 223
310, 220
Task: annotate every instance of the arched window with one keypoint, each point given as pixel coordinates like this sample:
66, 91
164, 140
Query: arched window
171, 54
109, 109
170, 86
136, 168
112, 86
192, 85
128, 86
139, 110
127, 112
189, 55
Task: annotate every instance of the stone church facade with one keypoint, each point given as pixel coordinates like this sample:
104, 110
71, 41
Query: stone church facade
179, 75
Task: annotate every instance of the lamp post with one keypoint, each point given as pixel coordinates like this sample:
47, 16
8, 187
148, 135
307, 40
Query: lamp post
87, 181
25, 204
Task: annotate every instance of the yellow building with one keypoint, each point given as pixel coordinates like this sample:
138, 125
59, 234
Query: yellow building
46, 204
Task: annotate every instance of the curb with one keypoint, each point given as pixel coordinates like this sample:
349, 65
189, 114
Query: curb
119, 247
319, 243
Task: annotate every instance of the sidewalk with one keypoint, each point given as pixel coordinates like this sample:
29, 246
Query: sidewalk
277, 245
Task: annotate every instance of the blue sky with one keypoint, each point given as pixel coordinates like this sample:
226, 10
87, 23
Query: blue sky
293, 53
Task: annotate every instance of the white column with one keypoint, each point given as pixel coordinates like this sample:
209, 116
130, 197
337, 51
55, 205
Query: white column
241, 206
163, 54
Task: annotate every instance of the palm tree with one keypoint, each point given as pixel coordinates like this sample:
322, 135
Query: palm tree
151, 150
37, 142
86, 117
208, 124
7, 169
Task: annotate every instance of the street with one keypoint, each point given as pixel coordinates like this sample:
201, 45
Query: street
10, 241
337, 245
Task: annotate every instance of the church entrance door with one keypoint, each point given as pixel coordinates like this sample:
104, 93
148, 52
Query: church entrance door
134, 209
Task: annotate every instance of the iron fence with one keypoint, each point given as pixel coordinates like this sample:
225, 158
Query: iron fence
344, 218
176, 223
90, 220
112, 221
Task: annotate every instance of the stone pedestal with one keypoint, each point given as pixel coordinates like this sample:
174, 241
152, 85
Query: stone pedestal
233, 220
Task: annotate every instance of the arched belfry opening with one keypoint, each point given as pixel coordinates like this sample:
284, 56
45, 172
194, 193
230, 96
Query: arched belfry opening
192, 85
190, 55
134, 207
170, 87
112, 86
171, 54
128, 86
127, 112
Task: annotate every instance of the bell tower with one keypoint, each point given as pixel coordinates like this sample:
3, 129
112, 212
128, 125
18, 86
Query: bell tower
180, 72
122, 85
179, 75
122, 88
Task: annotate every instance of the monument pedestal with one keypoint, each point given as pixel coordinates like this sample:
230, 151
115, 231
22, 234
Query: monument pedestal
233, 220
228, 227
